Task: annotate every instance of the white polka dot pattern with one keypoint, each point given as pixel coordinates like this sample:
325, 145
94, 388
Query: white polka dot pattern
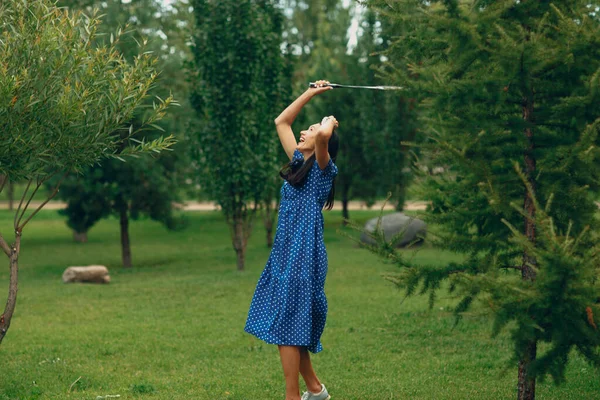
289, 306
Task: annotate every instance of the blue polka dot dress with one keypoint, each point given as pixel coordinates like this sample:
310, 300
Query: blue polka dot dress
289, 306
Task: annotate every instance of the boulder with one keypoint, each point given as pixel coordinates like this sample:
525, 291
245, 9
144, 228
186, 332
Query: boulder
392, 224
92, 274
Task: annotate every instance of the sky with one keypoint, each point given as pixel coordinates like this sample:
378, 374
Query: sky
352, 31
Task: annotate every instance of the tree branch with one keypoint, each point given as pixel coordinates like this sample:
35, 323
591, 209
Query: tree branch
456, 271
21, 203
4, 246
553, 125
38, 185
517, 267
20, 227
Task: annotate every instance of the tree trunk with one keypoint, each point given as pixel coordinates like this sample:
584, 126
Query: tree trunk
80, 237
526, 383
345, 201
125, 243
400, 195
11, 195
6, 317
3, 179
268, 220
529, 207
239, 242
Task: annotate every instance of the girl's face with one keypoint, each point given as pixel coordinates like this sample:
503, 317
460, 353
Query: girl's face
307, 138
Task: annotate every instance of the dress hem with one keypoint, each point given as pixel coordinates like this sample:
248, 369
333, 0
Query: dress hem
312, 348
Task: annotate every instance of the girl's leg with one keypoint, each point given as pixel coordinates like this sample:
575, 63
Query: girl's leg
308, 373
290, 360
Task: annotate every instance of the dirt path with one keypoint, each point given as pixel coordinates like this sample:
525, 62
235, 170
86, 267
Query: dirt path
207, 206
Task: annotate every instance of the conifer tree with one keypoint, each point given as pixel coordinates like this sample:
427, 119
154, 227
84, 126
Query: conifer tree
509, 101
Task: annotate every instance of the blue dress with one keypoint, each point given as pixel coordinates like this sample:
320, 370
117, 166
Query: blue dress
289, 306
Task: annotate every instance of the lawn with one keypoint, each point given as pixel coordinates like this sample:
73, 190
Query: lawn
172, 327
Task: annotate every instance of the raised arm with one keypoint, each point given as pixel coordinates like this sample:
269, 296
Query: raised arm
322, 141
284, 121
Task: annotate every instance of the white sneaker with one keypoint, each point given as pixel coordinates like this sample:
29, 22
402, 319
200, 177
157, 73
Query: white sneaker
323, 395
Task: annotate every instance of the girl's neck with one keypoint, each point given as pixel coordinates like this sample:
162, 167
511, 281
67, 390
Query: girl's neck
307, 153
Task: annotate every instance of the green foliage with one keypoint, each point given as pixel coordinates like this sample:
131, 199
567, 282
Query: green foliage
65, 104
557, 308
372, 123
236, 78
147, 186
164, 32
88, 200
509, 107
384, 120
144, 184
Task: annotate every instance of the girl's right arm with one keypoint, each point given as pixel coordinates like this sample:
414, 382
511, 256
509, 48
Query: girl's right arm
284, 121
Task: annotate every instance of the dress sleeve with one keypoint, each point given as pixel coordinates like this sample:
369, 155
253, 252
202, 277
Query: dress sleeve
330, 170
297, 155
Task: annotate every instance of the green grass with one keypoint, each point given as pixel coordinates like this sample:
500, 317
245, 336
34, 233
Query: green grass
172, 327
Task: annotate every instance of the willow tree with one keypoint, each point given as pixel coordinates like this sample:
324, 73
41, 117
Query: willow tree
509, 96
64, 105
236, 85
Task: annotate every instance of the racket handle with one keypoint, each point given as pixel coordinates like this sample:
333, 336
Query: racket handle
314, 85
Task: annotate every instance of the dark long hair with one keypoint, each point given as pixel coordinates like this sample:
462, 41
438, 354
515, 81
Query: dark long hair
296, 172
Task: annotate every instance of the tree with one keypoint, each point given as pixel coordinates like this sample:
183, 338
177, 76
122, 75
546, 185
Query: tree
87, 202
385, 119
273, 185
372, 123
9, 191
235, 78
508, 98
321, 43
58, 112
138, 187
329, 59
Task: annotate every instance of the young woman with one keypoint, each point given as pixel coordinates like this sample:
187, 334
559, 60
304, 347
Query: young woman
289, 307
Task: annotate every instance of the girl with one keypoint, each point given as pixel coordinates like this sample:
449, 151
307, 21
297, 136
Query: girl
289, 305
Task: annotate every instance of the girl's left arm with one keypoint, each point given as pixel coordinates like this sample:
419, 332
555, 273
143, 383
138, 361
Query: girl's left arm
322, 140
284, 121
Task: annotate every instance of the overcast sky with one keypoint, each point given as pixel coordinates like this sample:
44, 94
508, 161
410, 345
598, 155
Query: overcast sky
352, 31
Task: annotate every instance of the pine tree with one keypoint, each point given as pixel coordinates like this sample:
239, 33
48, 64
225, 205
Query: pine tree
509, 102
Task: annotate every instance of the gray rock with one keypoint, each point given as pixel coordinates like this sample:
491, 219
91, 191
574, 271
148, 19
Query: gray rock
392, 225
